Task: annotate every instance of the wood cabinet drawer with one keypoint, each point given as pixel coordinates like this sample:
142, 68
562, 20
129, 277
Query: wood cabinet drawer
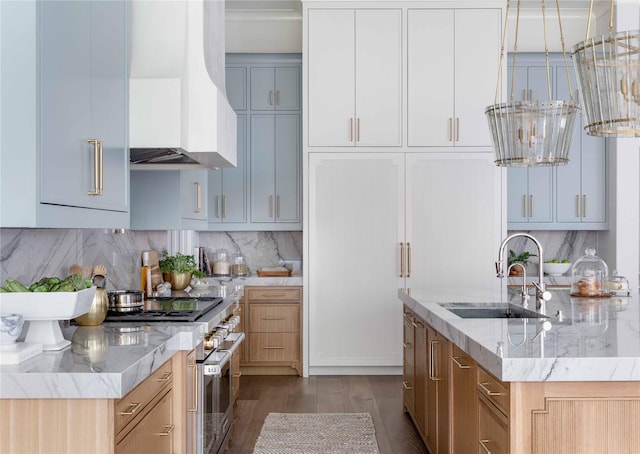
134, 403
154, 432
494, 390
275, 318
493, 429
274, 347
285, 294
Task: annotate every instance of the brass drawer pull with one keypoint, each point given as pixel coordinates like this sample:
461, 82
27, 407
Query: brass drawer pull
166, 377
237, 375
273, 348
194, 396
458, 363
488, 391
484, 446
433, 376
273, 295
168, 429
132, 409
273, 318
406, 386
198, 197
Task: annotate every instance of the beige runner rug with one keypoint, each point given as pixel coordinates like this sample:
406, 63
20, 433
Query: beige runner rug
317, 433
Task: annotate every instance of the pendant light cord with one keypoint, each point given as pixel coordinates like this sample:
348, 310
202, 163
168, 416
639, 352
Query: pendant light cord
564, 53
502, 43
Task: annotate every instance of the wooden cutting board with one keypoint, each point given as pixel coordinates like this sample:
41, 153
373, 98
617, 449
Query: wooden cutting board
156, 274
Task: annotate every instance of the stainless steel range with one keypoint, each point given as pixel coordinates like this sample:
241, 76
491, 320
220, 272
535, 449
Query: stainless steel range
167, 309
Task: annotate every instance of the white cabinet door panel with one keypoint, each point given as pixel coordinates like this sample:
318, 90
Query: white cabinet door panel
331, 75
356, 218
378, 81
430, 54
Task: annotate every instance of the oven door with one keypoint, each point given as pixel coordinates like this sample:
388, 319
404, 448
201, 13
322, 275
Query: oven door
214, 421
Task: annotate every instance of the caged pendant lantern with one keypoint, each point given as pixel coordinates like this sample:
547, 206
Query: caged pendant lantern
608, 73
531, 133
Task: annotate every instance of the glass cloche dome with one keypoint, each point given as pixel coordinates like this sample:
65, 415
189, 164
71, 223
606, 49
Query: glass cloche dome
588, 275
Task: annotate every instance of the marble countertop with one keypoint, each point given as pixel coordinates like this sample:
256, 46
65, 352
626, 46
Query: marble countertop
255, 280
597, 340
105, 362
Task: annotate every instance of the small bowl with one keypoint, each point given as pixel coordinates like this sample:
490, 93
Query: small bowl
556, 269
10, 328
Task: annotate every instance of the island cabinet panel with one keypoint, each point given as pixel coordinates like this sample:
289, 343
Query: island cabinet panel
464, 402
408, 365
149, 419
272, 321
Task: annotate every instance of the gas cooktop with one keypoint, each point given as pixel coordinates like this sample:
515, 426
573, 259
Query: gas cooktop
168, 309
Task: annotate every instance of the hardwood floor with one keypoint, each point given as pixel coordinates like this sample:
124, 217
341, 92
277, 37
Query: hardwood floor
381, 396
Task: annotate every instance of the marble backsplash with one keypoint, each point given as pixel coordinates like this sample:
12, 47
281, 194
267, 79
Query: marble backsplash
28, 254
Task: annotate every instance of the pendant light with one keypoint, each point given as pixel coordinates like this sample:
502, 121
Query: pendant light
531, 133
608, 73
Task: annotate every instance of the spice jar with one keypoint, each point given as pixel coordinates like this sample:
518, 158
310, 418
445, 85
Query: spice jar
221, 265
239, 265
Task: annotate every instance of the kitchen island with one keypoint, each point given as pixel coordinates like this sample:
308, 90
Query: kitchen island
520, 385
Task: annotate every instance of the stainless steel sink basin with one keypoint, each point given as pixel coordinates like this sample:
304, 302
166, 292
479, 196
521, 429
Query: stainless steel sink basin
490, 310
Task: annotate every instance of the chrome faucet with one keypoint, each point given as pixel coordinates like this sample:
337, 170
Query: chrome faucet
524, 294
542, 296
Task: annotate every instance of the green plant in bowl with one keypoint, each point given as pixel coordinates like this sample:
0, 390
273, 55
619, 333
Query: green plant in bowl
178, 269
523, 258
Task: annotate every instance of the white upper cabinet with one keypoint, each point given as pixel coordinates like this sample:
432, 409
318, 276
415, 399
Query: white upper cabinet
355, 77
452, 61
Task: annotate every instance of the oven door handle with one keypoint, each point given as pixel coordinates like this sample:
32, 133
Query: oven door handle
236, 339
214, 364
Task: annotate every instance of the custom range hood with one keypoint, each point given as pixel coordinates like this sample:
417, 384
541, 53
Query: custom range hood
179, 116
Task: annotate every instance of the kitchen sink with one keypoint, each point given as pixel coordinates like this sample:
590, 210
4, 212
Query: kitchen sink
489, 310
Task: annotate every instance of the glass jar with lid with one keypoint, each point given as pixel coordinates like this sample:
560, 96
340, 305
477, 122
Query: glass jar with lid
221, 264
588, 275
239, 265
617, 285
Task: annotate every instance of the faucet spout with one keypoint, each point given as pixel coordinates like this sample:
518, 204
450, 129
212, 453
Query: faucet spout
542, 296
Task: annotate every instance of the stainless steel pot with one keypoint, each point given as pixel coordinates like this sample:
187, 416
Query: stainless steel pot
126, 300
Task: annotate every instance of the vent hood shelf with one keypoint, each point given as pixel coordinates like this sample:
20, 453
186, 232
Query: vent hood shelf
178, 117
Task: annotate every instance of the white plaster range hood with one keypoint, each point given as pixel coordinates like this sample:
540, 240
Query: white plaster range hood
179, 116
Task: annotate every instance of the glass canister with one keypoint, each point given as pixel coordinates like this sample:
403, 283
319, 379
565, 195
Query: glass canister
221, 264
617, 285
239, 265
588, 275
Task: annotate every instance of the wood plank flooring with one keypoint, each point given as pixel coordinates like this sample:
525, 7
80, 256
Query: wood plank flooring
379, 395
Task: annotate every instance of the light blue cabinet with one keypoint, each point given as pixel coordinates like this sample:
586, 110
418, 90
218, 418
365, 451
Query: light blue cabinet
193, 194
275, 88
236, 81
227, 188
275, 163
567, 197
76, 53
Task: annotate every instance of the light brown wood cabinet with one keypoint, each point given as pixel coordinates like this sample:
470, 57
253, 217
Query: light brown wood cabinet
272, 324
464, 405
425, 382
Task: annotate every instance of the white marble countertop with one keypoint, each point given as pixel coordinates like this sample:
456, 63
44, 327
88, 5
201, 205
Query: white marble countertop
598, 340
106, 368
255, 280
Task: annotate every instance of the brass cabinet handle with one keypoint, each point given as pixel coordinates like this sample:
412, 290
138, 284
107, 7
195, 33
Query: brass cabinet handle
224, 206
271, 206
166, 377
350, 129
531, 205
458, 363
525, 210
271, 97
273, 317
584, 206
483, 446
278, 206
133, 407
168, 429
450, 129
406, 344
277, 97
457, 129
578, 206
483, 385
432, 361
530, 95
198, 197
408, 259
237, 375
194, 395
273, 295
273, 348
524, 94
406, 386
100, 181
401, 259
97, 167
218, 206
358, 129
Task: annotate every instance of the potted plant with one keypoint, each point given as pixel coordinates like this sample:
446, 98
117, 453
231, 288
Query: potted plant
178, 269
523, 258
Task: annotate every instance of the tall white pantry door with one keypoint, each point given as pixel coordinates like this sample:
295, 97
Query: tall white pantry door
356, 217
